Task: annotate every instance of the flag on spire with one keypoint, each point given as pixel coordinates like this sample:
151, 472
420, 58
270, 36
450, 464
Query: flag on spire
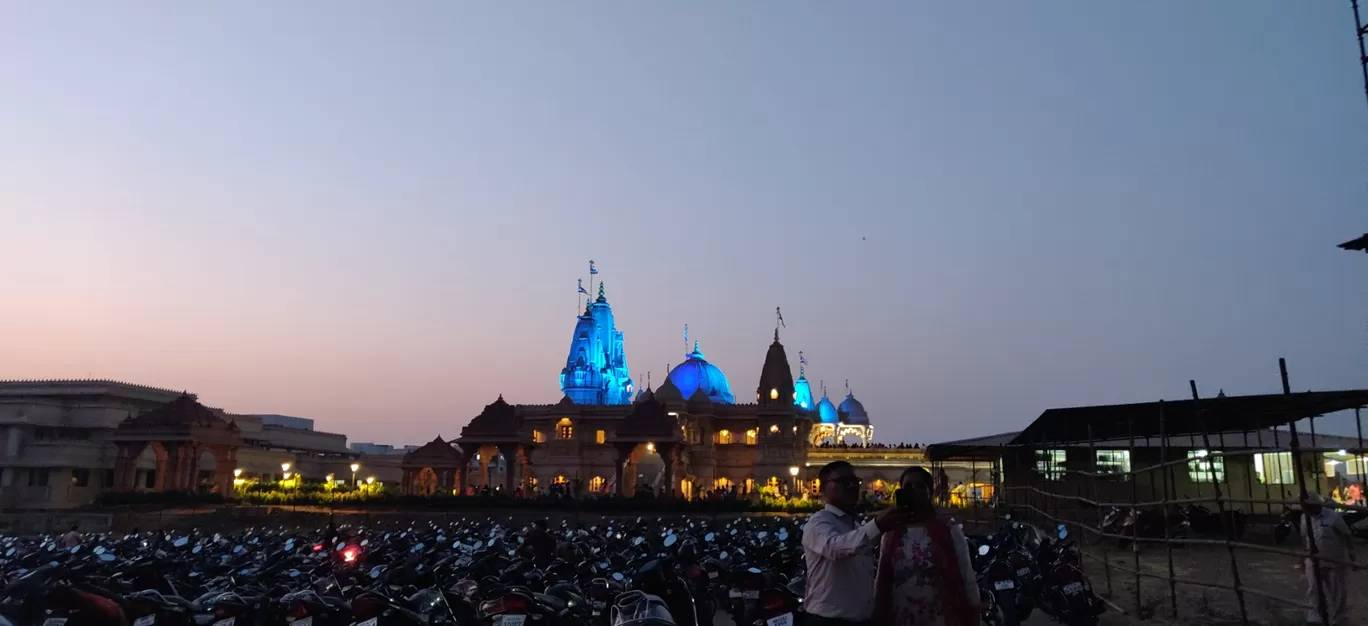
581, 287
802, 360
780, 315
686, 334
592, 269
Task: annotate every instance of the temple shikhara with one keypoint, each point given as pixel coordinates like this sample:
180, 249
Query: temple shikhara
688, 435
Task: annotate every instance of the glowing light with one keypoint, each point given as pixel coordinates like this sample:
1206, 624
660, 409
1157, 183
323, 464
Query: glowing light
370, 480
774, 394
287, 475
1342, 452
349, 555
285, 467
774, 428
697, 373
650, 447
355, 466
237, 473
793, 471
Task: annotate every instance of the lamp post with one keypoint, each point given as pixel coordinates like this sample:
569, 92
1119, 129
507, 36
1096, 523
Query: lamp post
793, 471
285, 471
354, 467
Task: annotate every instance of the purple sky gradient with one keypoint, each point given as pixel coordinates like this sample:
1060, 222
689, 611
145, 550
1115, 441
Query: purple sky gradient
374, 216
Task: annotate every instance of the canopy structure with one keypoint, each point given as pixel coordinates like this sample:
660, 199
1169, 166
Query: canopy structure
1186, 417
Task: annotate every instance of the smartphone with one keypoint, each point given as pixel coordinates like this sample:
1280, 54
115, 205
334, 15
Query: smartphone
902, 499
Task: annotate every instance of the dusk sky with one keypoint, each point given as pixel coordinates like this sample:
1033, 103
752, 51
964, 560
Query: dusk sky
374, 215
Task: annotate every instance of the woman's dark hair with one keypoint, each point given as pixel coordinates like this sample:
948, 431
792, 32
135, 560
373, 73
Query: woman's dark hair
919, 472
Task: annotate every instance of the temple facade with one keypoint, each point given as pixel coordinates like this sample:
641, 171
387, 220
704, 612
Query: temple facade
687, 436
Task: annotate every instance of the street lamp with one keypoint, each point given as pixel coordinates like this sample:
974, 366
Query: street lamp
793, 471
237, 473
354, 467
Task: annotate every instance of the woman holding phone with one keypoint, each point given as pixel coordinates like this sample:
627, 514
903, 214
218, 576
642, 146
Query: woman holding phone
925, 576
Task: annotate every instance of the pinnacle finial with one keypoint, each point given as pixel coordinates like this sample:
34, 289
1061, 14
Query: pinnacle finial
695, 346
601, 296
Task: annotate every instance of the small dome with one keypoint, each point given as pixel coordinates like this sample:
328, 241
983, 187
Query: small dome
696, 373
802, 393
854, 411
826, 411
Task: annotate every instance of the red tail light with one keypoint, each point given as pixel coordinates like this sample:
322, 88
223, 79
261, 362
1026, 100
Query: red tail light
317, 547
516, 605
349, 555
773, 602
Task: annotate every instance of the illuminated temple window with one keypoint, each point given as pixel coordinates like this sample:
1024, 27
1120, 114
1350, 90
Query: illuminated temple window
596, 483
774, 428
600, 436
560, 480
723, 437
774, 394
564, 429
538, 436
722, 484
751, 436
772, 482
750, 485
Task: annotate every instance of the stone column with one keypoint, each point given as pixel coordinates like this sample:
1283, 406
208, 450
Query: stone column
163, 469
512, 463
468, 450
126, 466
667, 456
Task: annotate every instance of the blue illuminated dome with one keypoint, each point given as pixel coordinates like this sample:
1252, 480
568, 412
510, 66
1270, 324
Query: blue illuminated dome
696, 373
854, 411
802, 392
826, 411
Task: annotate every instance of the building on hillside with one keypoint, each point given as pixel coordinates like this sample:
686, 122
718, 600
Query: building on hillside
61, 442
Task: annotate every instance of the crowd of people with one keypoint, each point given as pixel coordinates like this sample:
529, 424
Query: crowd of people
841, 445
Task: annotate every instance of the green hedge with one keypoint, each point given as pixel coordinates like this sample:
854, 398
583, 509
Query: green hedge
361, 499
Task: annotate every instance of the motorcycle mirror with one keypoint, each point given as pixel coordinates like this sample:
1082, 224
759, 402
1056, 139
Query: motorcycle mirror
1063, 533
1007, 516
669, 541
238, 549
570, 534
9, 552
75, 549
761, 535
479, 544
106, 557
441, 538
217, 537
365, 542
733, 532
180, 543
708, 537
294, 573
638, 541
417, 548
520, 540
1059, 527
983, 550
723, 556
741, 551
289, 545
754, 570
783, 535
618, 576
375, 572
99, 550
196, 549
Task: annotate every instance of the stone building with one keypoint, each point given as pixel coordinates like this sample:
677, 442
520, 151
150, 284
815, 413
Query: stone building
61, 443
687, 436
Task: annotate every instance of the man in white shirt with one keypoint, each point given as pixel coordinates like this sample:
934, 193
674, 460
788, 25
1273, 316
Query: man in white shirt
840, 553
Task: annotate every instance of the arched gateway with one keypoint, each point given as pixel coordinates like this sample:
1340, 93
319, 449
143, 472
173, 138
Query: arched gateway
178, 434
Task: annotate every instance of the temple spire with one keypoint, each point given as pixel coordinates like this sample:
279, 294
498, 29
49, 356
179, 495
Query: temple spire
601, 297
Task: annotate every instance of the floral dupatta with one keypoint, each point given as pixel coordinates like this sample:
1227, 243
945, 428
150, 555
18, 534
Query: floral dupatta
956, 610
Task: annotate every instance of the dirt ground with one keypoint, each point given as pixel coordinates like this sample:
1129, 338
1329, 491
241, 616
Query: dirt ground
1272, 574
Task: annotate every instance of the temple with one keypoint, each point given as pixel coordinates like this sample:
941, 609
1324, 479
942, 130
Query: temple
686, 436
596, 371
